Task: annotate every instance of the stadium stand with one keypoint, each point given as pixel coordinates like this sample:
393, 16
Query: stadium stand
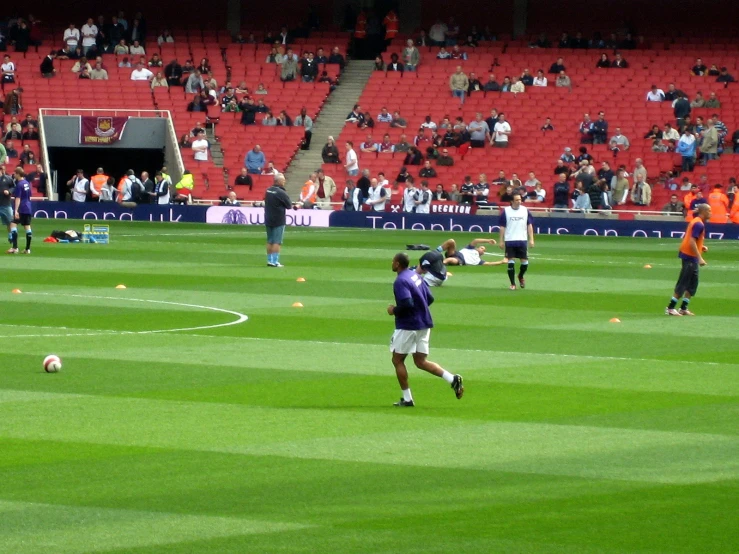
620, 93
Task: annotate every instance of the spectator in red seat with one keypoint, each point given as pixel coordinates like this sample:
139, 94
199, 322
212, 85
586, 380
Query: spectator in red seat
8, 70
563, 80
440, 194
379, 64
367, 122
321, 58
325, 189
474, 84
557, 66
81, 64
713, 102
427, 171
411, 56
532, 181
699, 69
136, 49
403, 145
254, 160
526, 78
491, 85
395, 64
121, 48
244, 179
603, 62
368, 146
27, 157
585, 129
517, 86
548, 126
618, 141
459, 84
714, 71
605, 173
308, 68
71, 36
724, 76
269, 169
413, 157
673, 93
420, 138
337, 58
444, 159
386, 146
655, 94
506, 85
398, 122
384, 116
30, 133
443, 54
457, 53
584, 155
619, 62
540, 80
47, 65
538, 194
13, 134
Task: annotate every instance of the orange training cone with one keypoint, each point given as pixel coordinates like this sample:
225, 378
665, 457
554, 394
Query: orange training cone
614, 320
297, 305
647, 266
300, 279
120, 286
17, 291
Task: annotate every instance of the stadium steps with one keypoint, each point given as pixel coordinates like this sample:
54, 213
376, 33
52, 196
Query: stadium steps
330, 123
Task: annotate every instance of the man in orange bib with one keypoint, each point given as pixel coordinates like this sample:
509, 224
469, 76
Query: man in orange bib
392, 24
691, 253
99, 180
719, 203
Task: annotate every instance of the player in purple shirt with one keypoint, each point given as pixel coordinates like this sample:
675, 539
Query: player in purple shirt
22, 212
413, 328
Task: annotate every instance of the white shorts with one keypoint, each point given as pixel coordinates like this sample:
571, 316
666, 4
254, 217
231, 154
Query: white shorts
432, 280
410, 342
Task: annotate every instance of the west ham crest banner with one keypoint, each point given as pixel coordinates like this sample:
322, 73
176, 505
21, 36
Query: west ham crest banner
101, 130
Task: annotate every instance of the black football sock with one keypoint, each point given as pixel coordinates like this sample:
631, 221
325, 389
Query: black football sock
684, 305
522, 271
14, 237
29, 236
672, 304
512, 272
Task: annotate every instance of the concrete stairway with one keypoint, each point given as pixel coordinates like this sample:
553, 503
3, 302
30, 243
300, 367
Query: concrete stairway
330, 122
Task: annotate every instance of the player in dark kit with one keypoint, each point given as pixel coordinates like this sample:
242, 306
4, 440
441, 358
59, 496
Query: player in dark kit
431, 267
691, 254
413, 325
22, 212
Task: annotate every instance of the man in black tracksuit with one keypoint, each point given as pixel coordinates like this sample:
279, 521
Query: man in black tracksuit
276, 201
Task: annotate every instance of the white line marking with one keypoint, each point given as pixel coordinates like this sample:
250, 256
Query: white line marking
241, 318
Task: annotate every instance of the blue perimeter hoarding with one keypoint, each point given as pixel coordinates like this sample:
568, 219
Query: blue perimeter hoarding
570, 225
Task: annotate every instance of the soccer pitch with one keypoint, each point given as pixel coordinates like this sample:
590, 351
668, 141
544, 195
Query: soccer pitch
179, 426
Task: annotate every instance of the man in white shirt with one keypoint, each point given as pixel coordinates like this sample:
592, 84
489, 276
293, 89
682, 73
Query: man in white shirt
424, 196
656, 94
200, 148
137, 49
141, 73
500, 132
384, 116
71, 37
410, 195
377, 196
89, 36
437, 33
79, 186
352, 161
516, 226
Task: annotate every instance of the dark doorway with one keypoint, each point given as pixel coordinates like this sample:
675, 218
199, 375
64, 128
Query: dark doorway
115, 161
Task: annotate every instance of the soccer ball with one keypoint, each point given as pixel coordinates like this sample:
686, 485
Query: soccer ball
52, 364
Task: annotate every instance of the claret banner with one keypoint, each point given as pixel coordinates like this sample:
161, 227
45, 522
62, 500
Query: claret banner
104, 130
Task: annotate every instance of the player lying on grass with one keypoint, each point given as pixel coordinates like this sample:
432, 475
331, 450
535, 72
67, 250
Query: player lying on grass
469, 255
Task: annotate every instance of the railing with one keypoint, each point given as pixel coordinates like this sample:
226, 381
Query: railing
104, 111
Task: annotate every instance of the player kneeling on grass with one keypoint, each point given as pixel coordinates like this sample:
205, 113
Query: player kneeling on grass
516, 225
413, 325
469, 255
691, 254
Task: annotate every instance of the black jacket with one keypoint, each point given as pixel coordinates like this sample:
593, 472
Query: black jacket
561, 194
276, 201
47, 66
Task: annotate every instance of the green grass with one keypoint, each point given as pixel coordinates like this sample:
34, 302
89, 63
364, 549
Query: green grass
575, 435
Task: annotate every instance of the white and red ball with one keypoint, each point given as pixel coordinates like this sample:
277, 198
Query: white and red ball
52, 363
